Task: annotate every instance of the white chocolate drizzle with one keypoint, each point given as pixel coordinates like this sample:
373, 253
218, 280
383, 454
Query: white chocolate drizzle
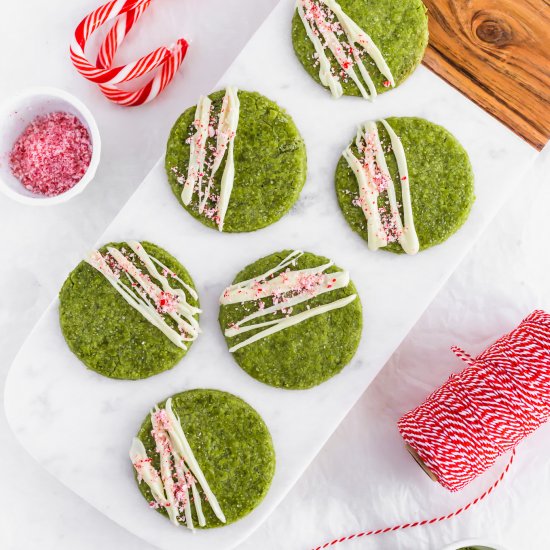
146, 471
318, 19
163, 449
288, 289
177, 436
154, 302
179, 471
225, 132
197, 155
373, 178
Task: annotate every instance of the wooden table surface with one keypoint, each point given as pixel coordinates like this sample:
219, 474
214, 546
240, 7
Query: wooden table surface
496, 52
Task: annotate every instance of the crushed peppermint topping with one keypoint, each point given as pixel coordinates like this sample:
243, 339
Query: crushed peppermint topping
52, 154
281, 286
331, 29
209, 143
377, 194
382, 181
165, 306
167, 302
173, 487
284, 293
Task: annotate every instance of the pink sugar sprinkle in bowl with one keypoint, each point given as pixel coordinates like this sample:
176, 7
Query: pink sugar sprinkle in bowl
20, 111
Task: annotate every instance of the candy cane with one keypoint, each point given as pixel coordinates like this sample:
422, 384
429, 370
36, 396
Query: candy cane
125, 13
117, 34
155, 86
151, 89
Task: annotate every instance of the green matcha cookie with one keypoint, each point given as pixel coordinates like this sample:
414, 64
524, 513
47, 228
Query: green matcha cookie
397, 28
292, 319
254, 151
440, 179
120, 340
232, 448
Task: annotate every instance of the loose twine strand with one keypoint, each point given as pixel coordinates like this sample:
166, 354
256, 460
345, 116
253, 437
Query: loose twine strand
480, 414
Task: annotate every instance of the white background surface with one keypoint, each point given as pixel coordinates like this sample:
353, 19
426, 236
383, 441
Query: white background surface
501, 281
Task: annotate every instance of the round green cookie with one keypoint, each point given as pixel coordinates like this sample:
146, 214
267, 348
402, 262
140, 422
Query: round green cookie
232, 446
107, 334
399, 28
308, 353
269, 158
441, 181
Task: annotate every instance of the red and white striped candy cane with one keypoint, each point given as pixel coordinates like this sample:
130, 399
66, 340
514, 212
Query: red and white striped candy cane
125, 13
155, 86
117, 33
114, 75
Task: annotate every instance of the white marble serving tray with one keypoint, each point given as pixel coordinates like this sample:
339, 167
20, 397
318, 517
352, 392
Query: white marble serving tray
79, 425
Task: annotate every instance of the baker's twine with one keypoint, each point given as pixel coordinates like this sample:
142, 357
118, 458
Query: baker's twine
124, 13
480, 414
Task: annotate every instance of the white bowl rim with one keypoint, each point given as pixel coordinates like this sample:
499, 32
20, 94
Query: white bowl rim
9, 106
474, 542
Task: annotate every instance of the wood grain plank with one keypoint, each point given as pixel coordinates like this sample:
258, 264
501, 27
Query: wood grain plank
497, 53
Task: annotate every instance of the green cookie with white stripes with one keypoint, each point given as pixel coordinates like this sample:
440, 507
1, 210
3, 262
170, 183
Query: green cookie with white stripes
404, 184
292, 319
125, 318
217, 458
236, 161
360, 47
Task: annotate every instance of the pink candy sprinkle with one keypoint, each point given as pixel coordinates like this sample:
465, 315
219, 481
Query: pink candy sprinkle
167, 302
52, 154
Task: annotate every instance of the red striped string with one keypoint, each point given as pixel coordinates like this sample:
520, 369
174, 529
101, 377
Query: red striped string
501, 397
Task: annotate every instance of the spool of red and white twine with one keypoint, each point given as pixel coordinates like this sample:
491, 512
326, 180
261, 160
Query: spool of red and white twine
124, 13
485, 411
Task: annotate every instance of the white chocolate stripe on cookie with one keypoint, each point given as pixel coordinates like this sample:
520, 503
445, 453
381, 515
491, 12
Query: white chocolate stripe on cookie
373, 179
152, 302
183, 488
228, 121
168, 457
328, 79
336, 47
226, 132
187, 287
283, 283
317, 22
179, 470
197, 154
286, 322
147, 472
288, 289
181, 312
164, 450
180, 443
332, 281
374, 158
358, 36
289, 260
368, 200
409, 238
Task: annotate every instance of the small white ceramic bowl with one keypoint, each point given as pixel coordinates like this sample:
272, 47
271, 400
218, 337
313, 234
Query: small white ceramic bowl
16, 114
481, 543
